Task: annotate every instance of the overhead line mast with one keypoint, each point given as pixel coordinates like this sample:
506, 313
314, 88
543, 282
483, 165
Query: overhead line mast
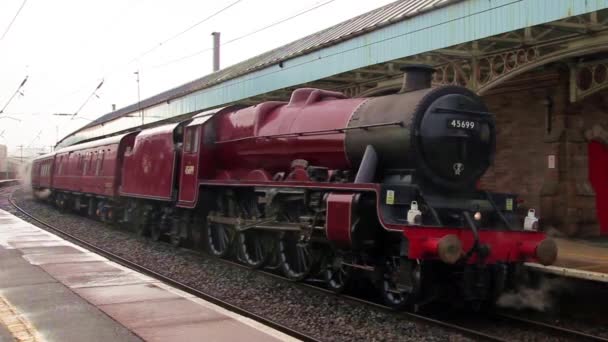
87, 100
8, 28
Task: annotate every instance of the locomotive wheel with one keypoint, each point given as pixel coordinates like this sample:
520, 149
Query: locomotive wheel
396, 294
179, 236
141, 229
255, 248
175, 237
337, 275
219, 238
176, 241
295, 256
140, 221
156, 232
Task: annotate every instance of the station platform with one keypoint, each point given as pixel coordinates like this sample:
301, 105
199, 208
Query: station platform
582, 259
53, 290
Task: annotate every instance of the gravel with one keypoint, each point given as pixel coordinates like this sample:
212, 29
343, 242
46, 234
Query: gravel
322, 316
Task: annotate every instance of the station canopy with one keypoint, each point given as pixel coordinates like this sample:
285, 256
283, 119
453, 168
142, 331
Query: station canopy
474, 43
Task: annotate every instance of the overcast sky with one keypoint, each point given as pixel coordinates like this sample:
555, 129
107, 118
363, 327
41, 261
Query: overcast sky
67, 47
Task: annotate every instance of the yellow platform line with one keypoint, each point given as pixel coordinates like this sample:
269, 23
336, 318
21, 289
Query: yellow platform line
19, 326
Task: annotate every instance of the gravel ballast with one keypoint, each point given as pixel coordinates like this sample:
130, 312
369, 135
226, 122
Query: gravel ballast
323, 316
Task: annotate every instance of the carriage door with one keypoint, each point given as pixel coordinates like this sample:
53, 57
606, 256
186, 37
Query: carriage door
188, 185
598, 176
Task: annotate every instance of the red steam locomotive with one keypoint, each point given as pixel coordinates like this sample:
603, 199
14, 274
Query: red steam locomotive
321, 185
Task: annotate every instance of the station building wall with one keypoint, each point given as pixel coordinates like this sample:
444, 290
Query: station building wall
542, 148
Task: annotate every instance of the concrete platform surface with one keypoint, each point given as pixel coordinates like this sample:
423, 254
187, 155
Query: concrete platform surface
583, 259
53, 290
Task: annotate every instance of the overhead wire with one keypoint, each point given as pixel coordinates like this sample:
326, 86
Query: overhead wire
8, 28
185, 30
245, 35
94, 93
35, 138
164, 42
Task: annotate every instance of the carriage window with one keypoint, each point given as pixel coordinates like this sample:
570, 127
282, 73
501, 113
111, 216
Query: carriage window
60, 166
188, 140
99, 163
85, 164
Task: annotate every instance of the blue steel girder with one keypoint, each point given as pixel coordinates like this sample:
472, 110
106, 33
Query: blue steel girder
456, 24
588, 78
484, 64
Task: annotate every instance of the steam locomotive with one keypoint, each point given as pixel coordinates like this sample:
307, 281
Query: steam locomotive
380, 188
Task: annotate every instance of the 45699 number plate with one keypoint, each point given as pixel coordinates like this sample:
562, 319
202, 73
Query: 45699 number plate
462, 124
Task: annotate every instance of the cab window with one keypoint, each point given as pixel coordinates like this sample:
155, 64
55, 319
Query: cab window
191, 140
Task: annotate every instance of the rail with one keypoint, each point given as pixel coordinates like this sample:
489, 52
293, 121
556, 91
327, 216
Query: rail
424, 318
9, 182
134, 266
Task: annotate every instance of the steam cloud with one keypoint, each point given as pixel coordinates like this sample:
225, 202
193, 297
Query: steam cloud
539, 299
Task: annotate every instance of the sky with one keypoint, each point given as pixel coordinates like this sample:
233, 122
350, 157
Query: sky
67, 47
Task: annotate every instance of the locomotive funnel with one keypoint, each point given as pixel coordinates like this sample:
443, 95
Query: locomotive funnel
416, 77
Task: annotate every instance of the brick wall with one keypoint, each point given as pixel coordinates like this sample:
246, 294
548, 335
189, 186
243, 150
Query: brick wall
520, 163
562, 196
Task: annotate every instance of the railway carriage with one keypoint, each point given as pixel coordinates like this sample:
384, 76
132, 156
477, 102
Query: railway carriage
41, 172
332, 187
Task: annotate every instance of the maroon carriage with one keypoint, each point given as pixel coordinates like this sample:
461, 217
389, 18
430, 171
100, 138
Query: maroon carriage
88, 171
41, 172
150, 164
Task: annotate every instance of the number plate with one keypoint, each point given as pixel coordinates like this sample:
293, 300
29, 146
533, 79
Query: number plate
462, 124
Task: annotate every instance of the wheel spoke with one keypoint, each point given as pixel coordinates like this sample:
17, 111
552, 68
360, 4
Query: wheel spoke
223, 237
301, 259
258, 250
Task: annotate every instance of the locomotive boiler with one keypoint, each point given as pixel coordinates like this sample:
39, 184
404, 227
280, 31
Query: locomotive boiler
442, 136
325, 186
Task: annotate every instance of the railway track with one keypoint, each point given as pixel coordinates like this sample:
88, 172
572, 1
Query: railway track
134, 266
550, 328
464, 329
431, 319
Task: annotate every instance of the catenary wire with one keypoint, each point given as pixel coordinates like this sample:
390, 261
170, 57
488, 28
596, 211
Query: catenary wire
8, 28
245, 35
164, 42
185, 31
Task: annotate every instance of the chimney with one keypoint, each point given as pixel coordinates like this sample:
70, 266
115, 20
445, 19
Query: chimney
416, 77
113, 107
216, 51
